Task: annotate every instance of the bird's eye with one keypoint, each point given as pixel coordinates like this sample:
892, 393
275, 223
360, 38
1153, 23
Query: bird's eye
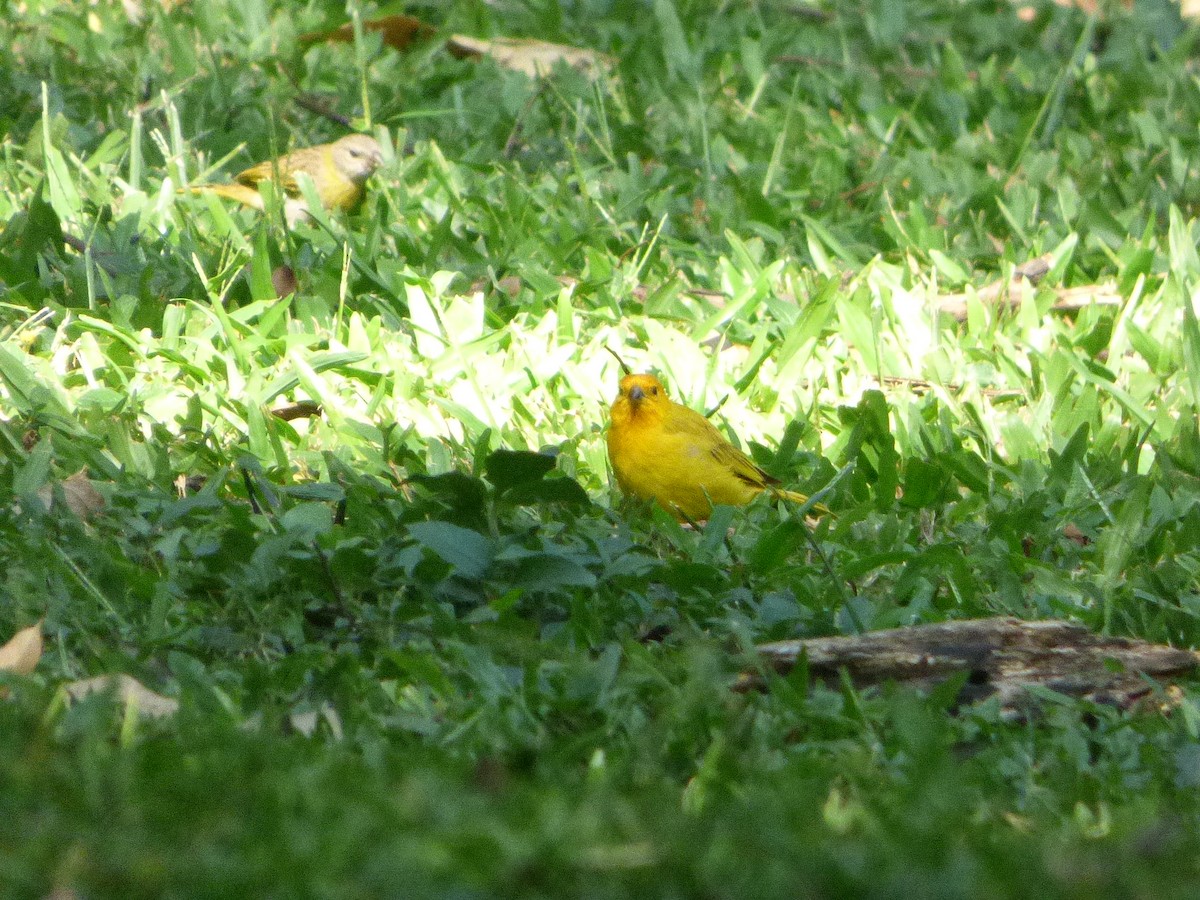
654, 391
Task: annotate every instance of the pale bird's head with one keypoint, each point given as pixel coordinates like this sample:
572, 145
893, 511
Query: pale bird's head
356, 156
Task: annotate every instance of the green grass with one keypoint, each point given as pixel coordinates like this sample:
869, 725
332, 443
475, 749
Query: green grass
413, 656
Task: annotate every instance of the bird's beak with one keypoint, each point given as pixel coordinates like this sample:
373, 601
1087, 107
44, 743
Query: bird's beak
636, 394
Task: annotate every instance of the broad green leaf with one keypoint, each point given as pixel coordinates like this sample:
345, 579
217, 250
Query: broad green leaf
508, 468
546, 572
468, 552
308, 520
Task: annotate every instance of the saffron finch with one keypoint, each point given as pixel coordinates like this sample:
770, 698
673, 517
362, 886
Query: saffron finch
665, 452
338, 172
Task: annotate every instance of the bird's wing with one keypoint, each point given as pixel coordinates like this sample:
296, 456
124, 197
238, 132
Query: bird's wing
742, 466
704, 434
267, 171
256, 173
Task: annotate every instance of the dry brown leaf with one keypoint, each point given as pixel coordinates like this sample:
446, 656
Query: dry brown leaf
1072, 533
510, 285
128, 690
79, 494
399, 32
533, 57
283, 280
22, 652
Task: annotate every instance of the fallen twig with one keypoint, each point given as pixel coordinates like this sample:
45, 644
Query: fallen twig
1003, 658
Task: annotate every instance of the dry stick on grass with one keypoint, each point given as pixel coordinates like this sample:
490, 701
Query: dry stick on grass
103, 260
1003, 658
1087, 295
922, 386
515, 137
1013, 292
322, 107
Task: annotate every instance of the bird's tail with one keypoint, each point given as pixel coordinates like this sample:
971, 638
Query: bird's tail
819, 509
239, 192
295, 209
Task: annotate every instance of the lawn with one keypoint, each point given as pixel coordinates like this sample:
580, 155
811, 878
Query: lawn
932, 262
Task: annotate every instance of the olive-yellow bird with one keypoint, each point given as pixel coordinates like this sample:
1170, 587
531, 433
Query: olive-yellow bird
338, 172
665, 452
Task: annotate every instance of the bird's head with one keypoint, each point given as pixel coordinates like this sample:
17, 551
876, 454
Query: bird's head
356, 156
642, 394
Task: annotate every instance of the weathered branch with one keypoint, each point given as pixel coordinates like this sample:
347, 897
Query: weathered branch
1003, 657
1014, 291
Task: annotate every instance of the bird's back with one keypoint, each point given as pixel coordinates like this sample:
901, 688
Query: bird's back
335, 189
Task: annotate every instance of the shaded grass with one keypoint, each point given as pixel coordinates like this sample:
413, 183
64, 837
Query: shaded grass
408, 663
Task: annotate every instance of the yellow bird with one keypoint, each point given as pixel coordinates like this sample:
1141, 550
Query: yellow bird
663, 451
338, 172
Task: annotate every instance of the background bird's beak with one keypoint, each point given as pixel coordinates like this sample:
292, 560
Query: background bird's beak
636, 393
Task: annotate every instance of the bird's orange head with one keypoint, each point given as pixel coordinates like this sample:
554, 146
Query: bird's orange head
642, 397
